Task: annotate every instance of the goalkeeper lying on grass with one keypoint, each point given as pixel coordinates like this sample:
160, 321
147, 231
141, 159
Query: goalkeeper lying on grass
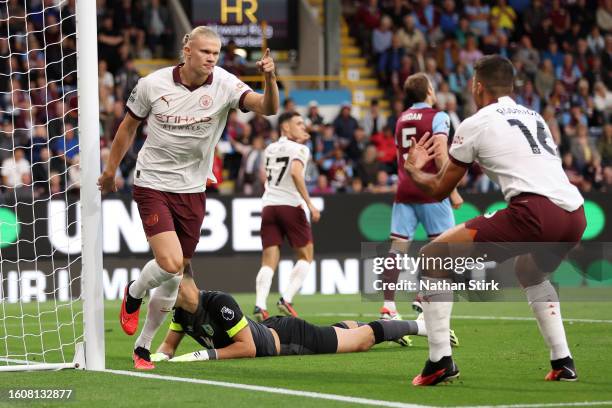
215, 320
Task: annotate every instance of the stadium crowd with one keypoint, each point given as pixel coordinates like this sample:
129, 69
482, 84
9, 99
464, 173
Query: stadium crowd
562, 51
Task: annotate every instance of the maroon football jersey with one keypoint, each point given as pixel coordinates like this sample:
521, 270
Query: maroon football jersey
414, 122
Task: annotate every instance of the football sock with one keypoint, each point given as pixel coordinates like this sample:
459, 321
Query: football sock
262, 286
298, 274
388, 330
544, 302
390, 305
422, 328
437, 308
161, 303
151, 276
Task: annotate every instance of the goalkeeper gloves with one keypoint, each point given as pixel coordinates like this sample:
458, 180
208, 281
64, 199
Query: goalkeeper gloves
159, 356
201, 355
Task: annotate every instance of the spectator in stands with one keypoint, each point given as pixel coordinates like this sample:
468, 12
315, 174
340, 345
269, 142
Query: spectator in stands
15, 169
356, 185
367, 19
444, 96
387, 151
368, 166
397, 10
505, 15
383, 184
396, 111
260, 125
40, 173
345, 125
431, 70
455, 119
339, 172
604, 145
398, 79
126, 79
447, 55
583, 148
449, 19
551, 121
109, 41
250, 176
545, 79
322, 186
596, 41
373, 120
356, 147
529, 56
409, 36
381, 37
231, 61
529, 98
389, 62
573, 174
603, 101
604, 15
428, 20
478, 15
159, 32
288, 105
314, 121
470, 54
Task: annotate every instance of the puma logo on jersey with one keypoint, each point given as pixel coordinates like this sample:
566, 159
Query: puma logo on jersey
163, 98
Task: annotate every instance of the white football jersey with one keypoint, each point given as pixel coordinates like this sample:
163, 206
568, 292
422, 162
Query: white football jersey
184, 126
515, 148
280, 188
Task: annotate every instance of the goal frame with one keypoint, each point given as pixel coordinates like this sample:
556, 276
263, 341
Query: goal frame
90, 353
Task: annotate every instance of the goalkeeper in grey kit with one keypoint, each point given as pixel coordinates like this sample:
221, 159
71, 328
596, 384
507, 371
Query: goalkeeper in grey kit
216, 322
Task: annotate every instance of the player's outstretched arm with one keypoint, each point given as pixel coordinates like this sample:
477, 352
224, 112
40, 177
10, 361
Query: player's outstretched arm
242, 347
440, 185
168, 347
297, 168
266, 104
122, 142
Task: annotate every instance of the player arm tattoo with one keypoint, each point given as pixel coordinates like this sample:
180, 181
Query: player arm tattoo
440, 185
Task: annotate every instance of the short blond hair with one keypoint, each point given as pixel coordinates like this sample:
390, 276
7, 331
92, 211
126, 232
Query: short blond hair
199, 31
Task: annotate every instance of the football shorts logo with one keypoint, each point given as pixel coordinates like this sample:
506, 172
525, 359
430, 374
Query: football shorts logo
240, 85
206, 101
152, 220
227, 313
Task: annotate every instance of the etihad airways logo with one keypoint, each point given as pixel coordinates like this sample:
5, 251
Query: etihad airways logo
181, 120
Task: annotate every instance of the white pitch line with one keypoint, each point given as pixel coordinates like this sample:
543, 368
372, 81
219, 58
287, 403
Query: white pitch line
558, 404
464, 317
273, 390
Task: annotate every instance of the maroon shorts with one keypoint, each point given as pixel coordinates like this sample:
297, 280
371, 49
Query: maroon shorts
550, 230
161, 211
278, 221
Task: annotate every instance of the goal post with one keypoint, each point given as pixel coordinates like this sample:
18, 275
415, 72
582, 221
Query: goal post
51, 285
91, 272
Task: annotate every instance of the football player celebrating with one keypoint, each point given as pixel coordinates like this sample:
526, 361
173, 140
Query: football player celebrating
186, 109
515, 148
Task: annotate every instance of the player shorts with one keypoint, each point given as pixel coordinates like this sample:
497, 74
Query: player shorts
530, 218
435, 217
161, 211
279, 221
298, 337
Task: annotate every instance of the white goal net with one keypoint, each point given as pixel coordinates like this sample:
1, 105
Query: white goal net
43, 187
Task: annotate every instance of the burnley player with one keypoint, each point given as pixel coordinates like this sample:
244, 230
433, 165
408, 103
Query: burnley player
216, 322
283, 213
411, 205
186, 108
515, 148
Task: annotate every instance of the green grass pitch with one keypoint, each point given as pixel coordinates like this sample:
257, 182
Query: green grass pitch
501, 362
